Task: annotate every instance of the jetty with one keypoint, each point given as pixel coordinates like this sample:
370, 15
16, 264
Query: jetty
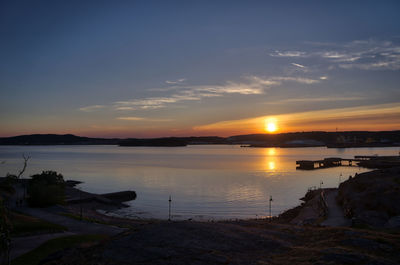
360, 161
117, 199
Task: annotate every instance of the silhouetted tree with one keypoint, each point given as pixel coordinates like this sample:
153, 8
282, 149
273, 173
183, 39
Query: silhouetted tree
26, 158
46, 189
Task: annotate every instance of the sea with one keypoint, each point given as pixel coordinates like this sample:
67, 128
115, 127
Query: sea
204, 182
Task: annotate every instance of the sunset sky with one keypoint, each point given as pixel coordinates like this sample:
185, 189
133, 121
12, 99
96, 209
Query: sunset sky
182, 68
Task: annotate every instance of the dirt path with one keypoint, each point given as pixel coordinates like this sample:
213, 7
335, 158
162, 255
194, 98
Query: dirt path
22, 245
335, 212
73, 225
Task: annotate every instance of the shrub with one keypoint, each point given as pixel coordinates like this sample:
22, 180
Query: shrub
6, 184
46, 189
5, 229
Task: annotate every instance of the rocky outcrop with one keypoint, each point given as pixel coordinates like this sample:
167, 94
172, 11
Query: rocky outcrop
372, 198
100, 201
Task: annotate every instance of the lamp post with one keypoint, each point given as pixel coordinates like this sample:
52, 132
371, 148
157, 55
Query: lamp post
169, 209
270, 212
80, 204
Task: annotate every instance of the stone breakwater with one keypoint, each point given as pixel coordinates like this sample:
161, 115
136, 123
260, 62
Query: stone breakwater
99, 201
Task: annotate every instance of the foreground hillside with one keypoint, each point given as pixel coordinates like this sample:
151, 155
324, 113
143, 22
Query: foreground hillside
242, 242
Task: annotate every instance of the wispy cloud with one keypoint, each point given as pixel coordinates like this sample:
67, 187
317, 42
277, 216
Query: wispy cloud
298, 65
178, 81
288, 54
249, 85
316, 99
195, 93
157, 102
92, 108
362, 54
133, 118
130, 118
301, 80
125, 108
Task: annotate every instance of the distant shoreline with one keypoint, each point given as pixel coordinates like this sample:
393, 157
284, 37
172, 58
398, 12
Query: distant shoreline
351, 139
241, 145
327, 146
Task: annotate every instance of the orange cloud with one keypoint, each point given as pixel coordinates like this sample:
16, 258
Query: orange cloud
376, 117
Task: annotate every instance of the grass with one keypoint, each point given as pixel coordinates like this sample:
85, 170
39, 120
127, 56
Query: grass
35, 256
87, 219
27, 225
92, 220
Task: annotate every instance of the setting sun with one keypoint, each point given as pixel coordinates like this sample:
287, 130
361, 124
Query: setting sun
270, 125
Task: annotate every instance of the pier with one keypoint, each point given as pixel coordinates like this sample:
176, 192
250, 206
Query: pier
326, 163
364, 161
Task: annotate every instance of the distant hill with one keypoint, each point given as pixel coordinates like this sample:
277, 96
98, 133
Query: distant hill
298, 139
69, 139
55, 139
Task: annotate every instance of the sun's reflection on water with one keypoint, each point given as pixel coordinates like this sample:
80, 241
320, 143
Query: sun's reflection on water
271, 165
271, 151
270, 160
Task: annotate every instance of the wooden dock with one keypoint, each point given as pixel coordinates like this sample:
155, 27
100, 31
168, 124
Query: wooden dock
326, 163
365, 161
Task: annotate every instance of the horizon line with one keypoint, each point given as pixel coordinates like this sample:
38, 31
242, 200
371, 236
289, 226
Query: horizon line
317, 131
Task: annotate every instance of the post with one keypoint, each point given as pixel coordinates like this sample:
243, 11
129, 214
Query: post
320, 184
8, 260
25, 188
80, 203
270, 212
340, 178
169, 210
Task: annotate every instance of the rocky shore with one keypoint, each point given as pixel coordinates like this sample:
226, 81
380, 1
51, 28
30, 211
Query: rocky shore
372, 198
369, 200
87, 200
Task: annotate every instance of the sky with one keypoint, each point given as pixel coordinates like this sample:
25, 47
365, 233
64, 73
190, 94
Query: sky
193, 68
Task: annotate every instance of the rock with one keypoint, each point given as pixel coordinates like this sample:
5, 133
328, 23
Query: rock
122, 196
393, 222
72, 183
343, 258
373, 218
363, 243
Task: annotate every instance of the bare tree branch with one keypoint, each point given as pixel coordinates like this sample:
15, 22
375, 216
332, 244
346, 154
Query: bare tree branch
26, 158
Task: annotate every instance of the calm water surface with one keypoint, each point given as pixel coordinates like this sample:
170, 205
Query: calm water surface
205, 182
